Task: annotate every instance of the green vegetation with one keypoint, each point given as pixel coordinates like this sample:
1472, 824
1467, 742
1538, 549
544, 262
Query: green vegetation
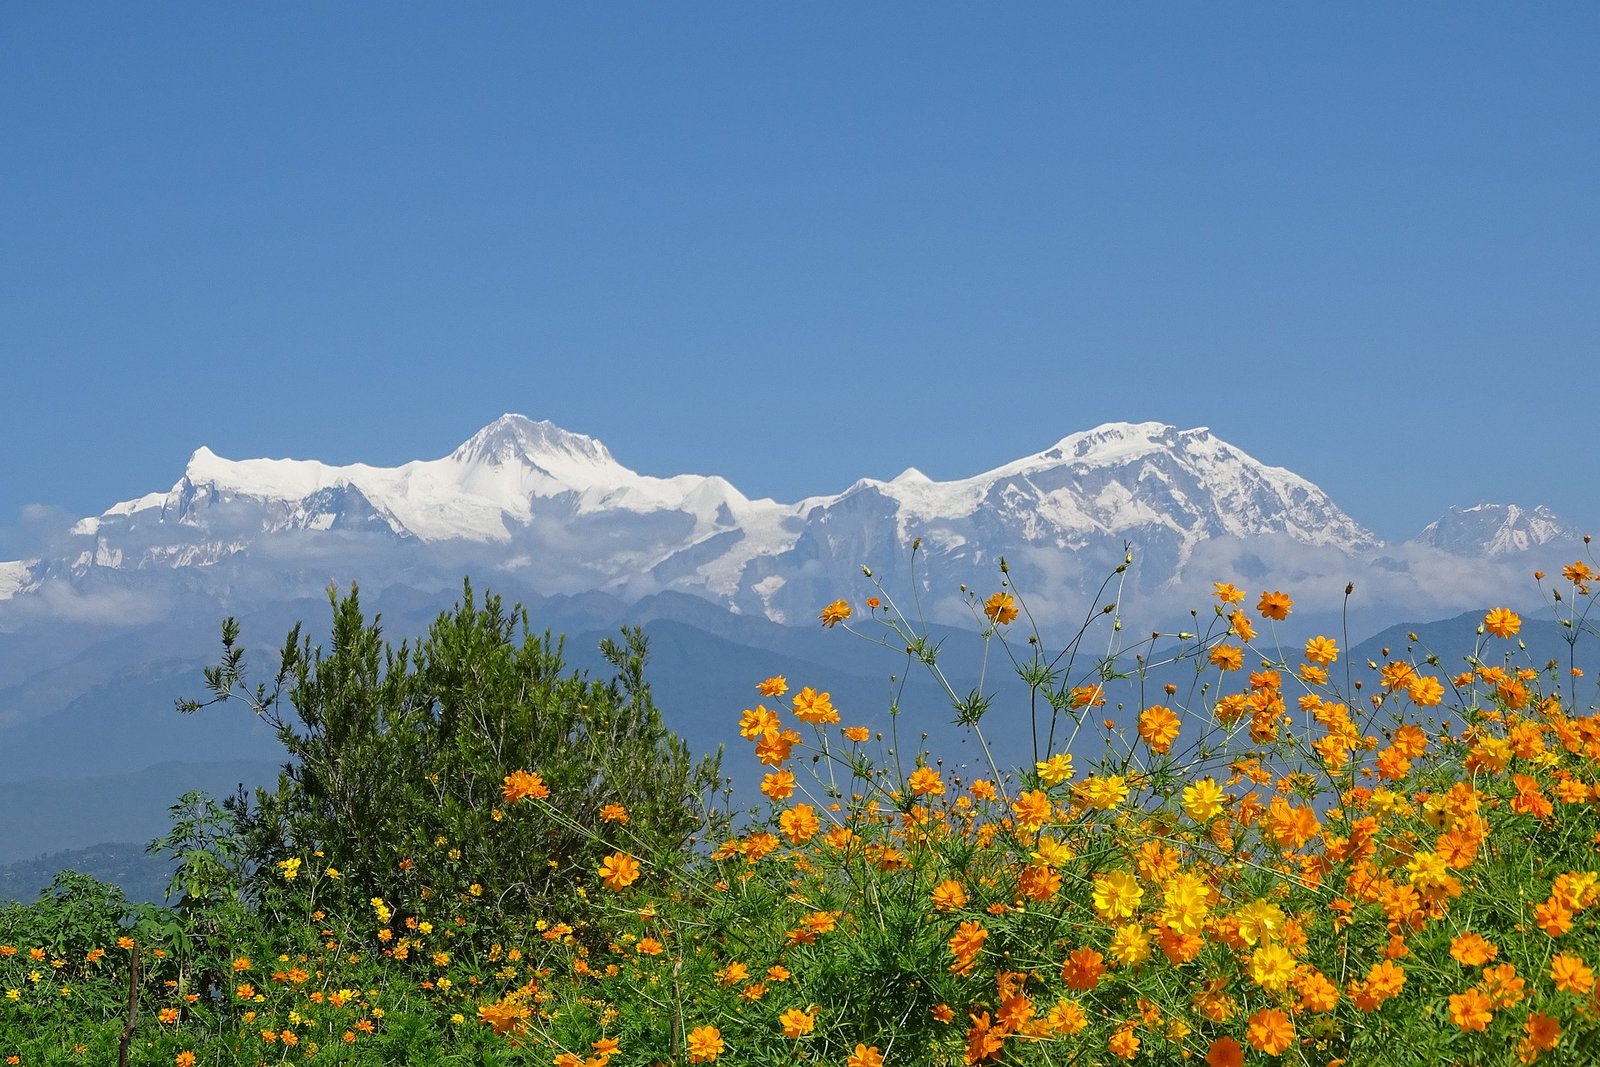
474, 857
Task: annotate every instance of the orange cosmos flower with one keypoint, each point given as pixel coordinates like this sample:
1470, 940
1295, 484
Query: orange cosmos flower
1322, 651
1228, 593
619, 870
1083, 969
1274, 605
704, 1044
814, 707
949, 895
857, 734
1225, 1052
522, 785
1471, 1010
1472, 950
1124, 1044
865, 1056
614, 813
1502, 622
775, 686
184, 1059
1001, 608
778, 785
1032, 809
1242, 627
925, 781
836, 612
1270, 1031
1159, 728
1227, 657
796, 1023
1571, 974
965, 944
800, 823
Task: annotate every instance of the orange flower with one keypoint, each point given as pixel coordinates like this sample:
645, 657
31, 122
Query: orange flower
925, 781
614, 813
1543, 1032
966, 943
1225, 1052
814, 707
1083, 969
1322, 651
1227, 657
1571, 974
1274, 605
800, 823
1471, 1010
1124, 1044
1001, 608
949, 895
775, 686
521, 785
984, 1040
619, 870
857, 734
704, 1044
167, 1015
1502, 622
1270, 1030
796, 1023
778, 785
184, 1059
1159, 728
865, 1056
1228, 593
1472, 950
836, 612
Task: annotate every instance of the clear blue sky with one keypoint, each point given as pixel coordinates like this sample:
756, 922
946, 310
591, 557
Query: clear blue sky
796, 244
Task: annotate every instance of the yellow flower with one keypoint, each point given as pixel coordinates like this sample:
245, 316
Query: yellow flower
1056, 769
838, 611
1116, 895
775, 686
1202, 801
290, 868
1102, 793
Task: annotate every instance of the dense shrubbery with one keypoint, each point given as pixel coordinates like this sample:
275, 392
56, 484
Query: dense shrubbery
1267, 865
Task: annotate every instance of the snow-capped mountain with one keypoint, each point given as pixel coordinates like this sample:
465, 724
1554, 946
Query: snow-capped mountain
532, 505
1494, 530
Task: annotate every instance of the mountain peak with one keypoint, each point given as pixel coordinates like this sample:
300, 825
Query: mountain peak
517, 439
1495, 529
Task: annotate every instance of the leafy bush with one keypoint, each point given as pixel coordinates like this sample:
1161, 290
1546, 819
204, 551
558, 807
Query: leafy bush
401, 761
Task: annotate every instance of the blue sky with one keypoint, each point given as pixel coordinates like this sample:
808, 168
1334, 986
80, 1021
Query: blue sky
797, 244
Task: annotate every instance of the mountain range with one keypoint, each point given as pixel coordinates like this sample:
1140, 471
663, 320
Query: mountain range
533, 506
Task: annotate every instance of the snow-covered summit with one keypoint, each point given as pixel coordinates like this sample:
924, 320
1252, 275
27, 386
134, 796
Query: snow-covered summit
556, 509
1495, 530
572, 458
